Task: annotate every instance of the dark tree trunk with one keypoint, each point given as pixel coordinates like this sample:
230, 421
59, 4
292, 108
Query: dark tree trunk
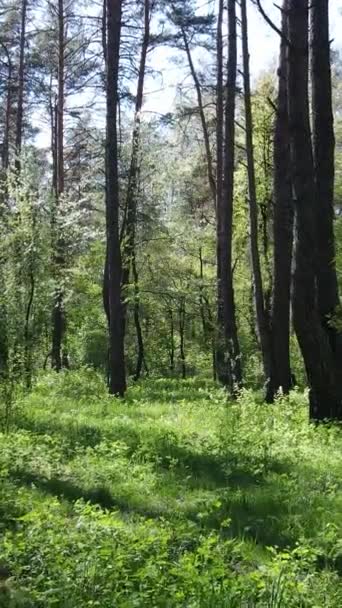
140, 340
21, 80
182, 336
113, 267
9, 103
325, 399
172, 343
58, 315
219, 108
130, 220
282, 229
324, 163
228, 350
261, 313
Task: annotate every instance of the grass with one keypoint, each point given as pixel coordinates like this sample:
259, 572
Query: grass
170, 498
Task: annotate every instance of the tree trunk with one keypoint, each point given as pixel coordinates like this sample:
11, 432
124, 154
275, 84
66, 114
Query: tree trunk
9, 101
58, 316
130, 220
324, 164
325, 398
172, 343
21, 76
228, 350
182, 336
219, 108
113, 267
140, 340
282, 229
261, 314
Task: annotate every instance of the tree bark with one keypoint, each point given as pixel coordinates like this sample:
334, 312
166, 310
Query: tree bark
282, 229
140, 340
21, 77
228, 360
130, 220
113, 266
9, 102
58, 316
324, 165
182, 314
325, 397
260, 309
172, 342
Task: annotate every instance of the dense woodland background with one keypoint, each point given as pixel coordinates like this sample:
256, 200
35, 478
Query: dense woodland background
203, 221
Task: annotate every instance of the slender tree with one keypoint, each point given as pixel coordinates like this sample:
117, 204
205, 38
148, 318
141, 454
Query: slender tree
129, 225
58, 316
21, 83
260, 308
282, 228
113, 266
228, 352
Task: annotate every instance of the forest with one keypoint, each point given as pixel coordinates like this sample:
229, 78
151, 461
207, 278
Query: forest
170, 304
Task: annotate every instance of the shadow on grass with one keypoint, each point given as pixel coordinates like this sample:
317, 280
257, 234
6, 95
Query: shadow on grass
255, 513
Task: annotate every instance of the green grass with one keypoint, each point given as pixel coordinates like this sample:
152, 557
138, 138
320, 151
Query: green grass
170, 498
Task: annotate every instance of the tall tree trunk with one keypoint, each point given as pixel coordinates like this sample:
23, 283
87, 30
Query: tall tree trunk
282, 229
113, 266
261, 313
228, 350
9, 102
58, 317
324, 164
21, 80
219, 108
325, 397
130, 219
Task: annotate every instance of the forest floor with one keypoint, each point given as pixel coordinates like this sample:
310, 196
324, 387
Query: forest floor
170, 498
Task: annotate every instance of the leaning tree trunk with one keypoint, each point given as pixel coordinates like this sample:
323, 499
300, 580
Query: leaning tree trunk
324, 163
325, 394
260, 309
113, 266
282, 230
228, 349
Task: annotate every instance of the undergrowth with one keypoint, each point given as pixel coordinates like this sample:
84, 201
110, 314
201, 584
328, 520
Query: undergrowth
172, 497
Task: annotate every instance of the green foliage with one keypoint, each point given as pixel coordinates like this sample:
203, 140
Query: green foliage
170, 498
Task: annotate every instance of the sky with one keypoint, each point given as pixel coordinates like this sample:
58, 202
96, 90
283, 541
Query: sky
161, 92
161, 89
